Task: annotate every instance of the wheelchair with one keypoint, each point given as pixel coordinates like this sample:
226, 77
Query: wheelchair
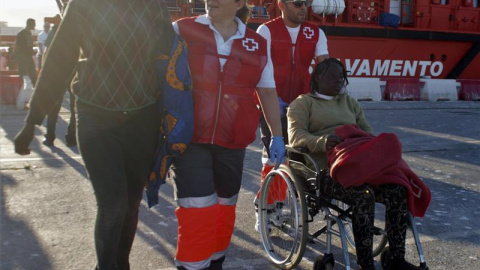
288, 204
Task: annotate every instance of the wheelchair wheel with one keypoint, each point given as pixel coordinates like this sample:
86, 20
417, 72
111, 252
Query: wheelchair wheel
380, 239
283, 223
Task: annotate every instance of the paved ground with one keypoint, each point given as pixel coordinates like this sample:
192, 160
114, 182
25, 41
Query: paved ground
48, 208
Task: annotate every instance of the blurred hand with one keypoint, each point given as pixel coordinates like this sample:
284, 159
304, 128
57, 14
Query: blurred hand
332, 141
23, 138
283, 107
277, 150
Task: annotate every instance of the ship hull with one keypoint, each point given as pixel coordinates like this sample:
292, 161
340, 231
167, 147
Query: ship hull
373, 52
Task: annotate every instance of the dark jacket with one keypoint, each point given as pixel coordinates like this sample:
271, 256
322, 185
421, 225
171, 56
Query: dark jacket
119, 43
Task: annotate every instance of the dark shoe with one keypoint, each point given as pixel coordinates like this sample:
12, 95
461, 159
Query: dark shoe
401, 264
323, 262
71, 140
217, 264
47, 142
49, 138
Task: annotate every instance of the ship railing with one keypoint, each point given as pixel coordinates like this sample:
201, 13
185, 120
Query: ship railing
173, 7
259, 8
440, 15
198, 7
366, 13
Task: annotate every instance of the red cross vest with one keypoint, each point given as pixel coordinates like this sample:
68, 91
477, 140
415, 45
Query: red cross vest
226, 111
292, 77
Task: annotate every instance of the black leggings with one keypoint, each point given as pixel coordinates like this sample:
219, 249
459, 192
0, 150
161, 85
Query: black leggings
362, 199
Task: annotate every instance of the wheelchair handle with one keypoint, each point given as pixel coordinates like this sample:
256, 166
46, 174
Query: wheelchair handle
298, 150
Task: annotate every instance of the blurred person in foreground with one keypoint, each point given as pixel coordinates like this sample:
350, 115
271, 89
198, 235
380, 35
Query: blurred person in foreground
117, 97
232, 72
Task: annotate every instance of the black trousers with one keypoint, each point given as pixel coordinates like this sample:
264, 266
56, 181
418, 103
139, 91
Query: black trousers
118, 150
26, 67
52, 118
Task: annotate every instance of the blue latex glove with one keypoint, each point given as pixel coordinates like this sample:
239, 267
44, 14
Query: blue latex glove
283, 107
277, 150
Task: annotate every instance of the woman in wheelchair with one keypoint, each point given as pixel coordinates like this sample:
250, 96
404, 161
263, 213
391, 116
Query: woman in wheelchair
312, 120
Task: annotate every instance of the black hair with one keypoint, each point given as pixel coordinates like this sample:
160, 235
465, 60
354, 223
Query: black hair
244, 12
320, 70
30, 21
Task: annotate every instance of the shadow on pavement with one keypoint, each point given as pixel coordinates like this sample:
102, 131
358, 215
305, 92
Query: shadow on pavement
20, 247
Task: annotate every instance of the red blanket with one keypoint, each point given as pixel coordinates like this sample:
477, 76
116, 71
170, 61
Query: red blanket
365, 159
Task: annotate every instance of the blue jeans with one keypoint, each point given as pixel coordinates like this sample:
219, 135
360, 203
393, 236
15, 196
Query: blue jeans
118, 150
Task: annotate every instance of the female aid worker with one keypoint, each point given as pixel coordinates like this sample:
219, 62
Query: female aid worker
231, 72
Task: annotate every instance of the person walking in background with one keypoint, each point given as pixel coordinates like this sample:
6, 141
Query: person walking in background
24, 52
117, 95
230, 67
52, 115
56, 21
11, 63
41, 38
3, 60
293, 43
52, 118
35, 58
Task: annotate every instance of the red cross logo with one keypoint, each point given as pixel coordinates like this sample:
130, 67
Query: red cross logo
250, 44
308, 32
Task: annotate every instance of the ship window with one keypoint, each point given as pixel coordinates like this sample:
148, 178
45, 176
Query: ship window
407, 12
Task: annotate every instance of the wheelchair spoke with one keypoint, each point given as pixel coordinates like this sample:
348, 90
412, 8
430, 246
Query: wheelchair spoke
282, 219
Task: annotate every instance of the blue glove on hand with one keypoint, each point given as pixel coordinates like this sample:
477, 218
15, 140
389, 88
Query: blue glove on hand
283, 105
277, 150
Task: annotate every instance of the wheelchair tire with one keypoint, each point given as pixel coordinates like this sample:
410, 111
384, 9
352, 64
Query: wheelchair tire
380, 238
283, 224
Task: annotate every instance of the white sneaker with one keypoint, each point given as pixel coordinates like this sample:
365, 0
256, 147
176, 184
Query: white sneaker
257, 222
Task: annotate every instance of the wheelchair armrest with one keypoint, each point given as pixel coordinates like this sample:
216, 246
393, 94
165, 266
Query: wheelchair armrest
298, 150
301, 155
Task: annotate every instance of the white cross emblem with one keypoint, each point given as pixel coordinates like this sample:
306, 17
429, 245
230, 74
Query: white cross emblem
308, 32
250, 44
